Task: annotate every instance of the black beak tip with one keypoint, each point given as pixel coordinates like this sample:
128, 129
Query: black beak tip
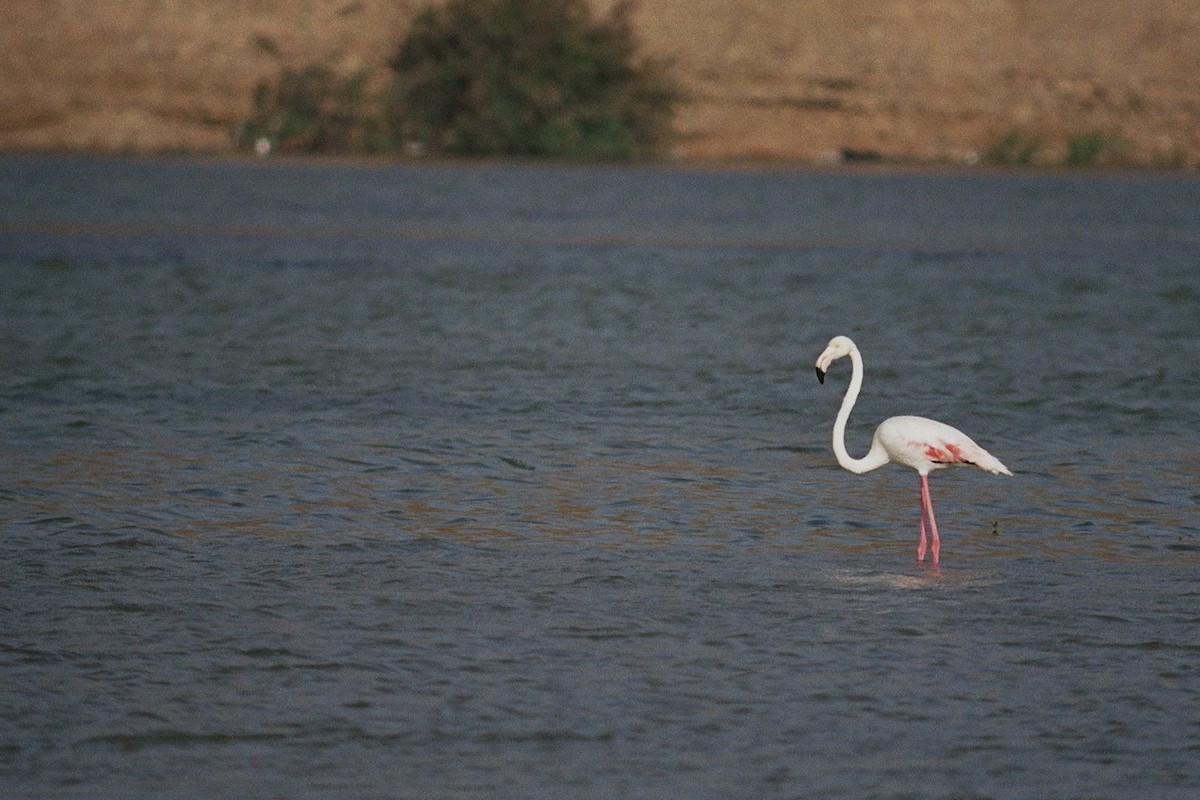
820, 375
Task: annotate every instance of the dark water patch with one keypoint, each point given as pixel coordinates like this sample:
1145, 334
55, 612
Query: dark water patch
133, 742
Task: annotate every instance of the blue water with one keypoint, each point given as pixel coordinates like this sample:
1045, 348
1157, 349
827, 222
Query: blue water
512, 481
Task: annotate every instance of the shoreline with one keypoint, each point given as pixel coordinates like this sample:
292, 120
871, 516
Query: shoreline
665, 164
792, 82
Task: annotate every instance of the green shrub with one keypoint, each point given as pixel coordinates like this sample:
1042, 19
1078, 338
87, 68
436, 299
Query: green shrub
1013, 147
528, 77
313, 110
1086, 149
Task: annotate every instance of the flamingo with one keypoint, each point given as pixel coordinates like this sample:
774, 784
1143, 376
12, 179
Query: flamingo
917, 442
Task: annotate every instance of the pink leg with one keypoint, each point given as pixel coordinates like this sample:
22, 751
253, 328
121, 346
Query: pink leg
935, 544
921, 541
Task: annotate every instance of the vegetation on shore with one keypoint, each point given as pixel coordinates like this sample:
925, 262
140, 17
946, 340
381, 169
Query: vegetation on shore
1093, 148
483, 77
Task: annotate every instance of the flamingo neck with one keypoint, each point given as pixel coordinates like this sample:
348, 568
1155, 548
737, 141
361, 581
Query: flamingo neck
877, 456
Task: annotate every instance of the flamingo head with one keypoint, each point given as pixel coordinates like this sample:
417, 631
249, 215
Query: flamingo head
839, 347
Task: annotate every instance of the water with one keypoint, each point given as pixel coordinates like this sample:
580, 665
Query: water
329, 480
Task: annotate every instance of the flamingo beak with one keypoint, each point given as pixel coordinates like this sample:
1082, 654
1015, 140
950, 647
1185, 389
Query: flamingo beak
823, 362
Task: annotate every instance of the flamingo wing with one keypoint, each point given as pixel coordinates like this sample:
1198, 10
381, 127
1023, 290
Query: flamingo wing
926, 444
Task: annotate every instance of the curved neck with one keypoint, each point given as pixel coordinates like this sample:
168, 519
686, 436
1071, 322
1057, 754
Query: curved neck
877, 456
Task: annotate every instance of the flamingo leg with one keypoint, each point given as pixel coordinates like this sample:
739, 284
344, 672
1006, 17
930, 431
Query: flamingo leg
921, 541
935, 544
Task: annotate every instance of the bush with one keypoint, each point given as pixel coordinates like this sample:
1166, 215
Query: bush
1086, 149
530, 78
312, 110
1013, 147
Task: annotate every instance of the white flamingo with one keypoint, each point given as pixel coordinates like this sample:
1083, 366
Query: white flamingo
917, 442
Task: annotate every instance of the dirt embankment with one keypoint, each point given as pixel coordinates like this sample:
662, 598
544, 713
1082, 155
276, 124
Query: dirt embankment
923, 80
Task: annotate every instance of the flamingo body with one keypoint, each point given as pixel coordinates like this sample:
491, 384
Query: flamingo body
918, 442
926, 444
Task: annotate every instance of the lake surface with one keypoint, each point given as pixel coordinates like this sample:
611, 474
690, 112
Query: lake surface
512, 481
